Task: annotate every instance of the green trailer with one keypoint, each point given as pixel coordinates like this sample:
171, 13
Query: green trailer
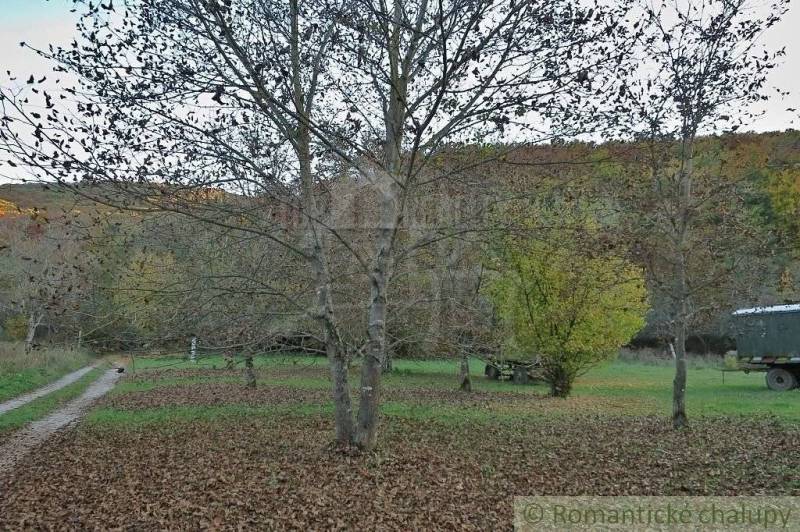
768, 339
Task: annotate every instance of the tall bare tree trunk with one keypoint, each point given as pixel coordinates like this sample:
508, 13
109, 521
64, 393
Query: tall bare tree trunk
342, 407
34, 320
193, 349
249, 372
679, 418
681, 294
375, 359
338, 360
377, 353
393, 186
371, 368
464, 377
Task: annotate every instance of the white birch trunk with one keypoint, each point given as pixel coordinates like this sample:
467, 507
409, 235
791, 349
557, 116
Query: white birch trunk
34, 321
193, 349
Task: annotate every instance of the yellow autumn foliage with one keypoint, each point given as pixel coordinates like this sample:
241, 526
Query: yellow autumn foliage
565, 304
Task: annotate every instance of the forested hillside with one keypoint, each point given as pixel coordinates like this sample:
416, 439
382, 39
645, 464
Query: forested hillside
74, 268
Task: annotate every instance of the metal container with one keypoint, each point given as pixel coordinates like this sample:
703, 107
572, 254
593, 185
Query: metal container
768, 332
768, 339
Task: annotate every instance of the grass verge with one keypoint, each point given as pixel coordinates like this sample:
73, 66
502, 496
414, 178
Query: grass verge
39, 408
22, 372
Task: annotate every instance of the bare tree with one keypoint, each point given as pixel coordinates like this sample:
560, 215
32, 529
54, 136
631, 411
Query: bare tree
275, 102
44, 272
701, 67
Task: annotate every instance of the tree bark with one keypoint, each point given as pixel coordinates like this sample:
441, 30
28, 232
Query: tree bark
33, 323
681, 292
249, 372
679, 418
338, 360
464, 376
376, 355
393, 186
368, 413
342, 407
193, 349
559, 378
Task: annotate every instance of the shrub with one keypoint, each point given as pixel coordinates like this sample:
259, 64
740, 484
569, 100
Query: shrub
16, 327
567, 302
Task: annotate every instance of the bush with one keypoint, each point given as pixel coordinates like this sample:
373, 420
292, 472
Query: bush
569, 303
16, 327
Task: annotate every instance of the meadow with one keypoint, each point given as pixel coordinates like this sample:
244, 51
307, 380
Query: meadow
622, 387
179, 444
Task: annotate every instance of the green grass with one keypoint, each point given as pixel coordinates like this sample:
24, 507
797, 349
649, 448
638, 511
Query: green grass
616, 388
22, 372
642, 388
741, 394
39, 408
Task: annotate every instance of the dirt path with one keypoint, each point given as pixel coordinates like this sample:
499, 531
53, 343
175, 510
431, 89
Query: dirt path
24, 399
27, 438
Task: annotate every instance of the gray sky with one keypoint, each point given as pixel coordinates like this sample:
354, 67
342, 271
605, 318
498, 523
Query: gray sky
40, 22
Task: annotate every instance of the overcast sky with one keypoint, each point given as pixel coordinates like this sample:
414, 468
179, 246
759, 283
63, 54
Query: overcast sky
40, 22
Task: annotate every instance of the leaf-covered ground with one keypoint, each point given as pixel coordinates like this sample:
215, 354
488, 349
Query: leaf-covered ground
194, 449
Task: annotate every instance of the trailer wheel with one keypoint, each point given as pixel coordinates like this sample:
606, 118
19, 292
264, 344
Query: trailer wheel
780, 380
492, 372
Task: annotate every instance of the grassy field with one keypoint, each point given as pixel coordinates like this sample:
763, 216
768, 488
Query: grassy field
617, 388
184, 445
22, 372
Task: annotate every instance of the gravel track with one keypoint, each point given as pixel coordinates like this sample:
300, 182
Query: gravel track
24, 399
35, 433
